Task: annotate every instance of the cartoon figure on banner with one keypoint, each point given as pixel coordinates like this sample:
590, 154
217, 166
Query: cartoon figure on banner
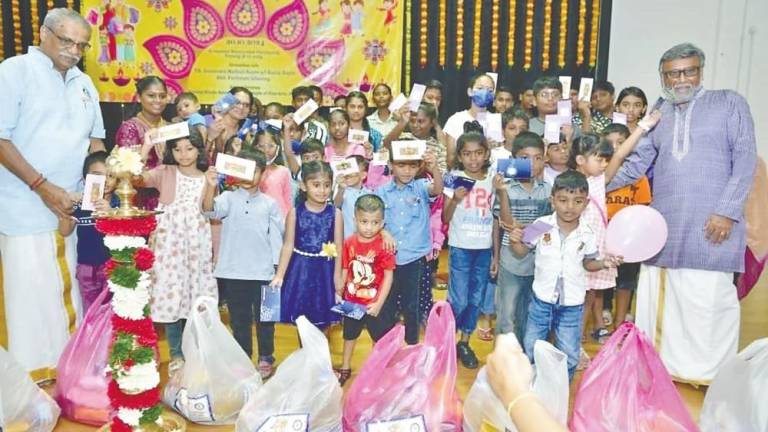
346, 11
116, 23
357, 17
324, 17
389, 6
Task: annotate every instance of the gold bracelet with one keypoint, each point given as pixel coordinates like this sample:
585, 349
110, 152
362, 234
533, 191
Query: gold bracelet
518, 399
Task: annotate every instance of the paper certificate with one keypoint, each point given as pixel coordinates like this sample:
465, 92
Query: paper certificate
416, 95
344, 166
408, 150
167, 133
565, 81
357, 136
398, 103
94, 191
305, 111
585, 89
410, 424
235, 166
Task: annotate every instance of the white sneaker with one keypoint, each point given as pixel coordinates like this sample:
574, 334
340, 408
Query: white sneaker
607, 318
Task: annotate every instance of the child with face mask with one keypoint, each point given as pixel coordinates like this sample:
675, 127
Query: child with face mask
481, 93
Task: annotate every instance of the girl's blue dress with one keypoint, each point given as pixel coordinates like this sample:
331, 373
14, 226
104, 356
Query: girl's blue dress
308, 284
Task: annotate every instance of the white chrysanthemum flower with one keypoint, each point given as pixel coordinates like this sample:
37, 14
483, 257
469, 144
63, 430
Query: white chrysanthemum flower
124, 159
129, 416
123, 242
129, 303
139, 378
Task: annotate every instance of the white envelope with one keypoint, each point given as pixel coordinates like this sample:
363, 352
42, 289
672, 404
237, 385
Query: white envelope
409, 424
408, 150
585, 89
380, 158
357, 136
305, 111
278, 124
565, 81
169, 132
493, 129
398, 103
235, 166
620, 118
344, 166
495, 77
416, 95
93, 191
564, 108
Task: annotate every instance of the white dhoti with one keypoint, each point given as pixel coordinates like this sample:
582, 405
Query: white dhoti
39, 299
692, 316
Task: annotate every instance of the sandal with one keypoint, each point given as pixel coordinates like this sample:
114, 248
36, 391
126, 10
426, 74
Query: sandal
174, 366
485, 334
342, 375
600, 335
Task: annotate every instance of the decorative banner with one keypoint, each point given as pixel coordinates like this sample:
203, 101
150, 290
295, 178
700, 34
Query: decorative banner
268, 46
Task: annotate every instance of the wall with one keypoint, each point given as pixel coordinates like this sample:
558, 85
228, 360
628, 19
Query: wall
732, 33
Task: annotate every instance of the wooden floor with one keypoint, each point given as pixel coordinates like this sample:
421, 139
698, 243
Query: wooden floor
754, 325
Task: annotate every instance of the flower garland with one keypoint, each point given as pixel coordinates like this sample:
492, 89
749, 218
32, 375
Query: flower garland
547, 34
593, 33
459, 33
495, 35
441, 34
35, 21
563, 33
423, 32
476, 28
511, 32
530, 9
133, 391
16, 16
2, 51
582, 30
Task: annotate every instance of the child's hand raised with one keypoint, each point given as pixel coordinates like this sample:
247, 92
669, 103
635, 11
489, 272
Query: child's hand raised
585, 106
430, 160
459, 194
650, 121
101, 205
499, 183
612, 261
212, 176
288, 122
516, 235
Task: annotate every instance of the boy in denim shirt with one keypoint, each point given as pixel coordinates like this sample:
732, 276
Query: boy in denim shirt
407, 219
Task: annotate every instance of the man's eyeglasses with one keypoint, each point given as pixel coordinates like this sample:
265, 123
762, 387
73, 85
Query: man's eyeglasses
688, 72
68, 43
243, 104
550, 94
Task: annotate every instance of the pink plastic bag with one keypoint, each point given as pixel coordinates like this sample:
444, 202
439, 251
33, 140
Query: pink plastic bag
627, 388
406, 381
753, 268
82, 378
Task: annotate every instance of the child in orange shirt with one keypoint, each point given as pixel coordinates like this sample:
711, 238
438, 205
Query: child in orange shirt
638, 193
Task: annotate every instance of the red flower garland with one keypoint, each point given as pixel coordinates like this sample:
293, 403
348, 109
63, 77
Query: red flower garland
109, 266
134, 327
140, 401
143, 259
128, 227
118, 426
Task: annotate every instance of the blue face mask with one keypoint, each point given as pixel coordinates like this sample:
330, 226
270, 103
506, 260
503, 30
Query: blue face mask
483, 98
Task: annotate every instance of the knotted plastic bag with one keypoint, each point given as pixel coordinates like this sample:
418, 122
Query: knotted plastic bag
24, 407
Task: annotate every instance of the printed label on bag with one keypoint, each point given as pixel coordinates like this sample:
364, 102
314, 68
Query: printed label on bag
285, 423
409, 424
195, 408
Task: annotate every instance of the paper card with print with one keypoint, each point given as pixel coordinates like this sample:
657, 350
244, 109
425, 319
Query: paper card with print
93, 191
416, 95
564, 108
620, 118
493, 129
304, 111
196, 408
344, 167
408, 424
169, 132
552, 125
235, 166
357, 136
398, 102
224, 104
585, 89
350, 310
532, 232
408, 150
381, 157
285, 423
518, 168
565, 81
277, 124
269, 310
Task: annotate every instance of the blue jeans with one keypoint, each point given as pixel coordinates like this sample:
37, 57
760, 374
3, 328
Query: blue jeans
564, 321
467, 282
513, 294
173, 333
488, 305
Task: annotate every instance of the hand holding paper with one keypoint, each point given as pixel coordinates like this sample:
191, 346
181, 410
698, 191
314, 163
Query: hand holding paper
306, 110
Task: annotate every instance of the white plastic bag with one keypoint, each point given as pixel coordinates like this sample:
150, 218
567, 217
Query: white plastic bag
23, 405
550, 384
304, 388
737, 399
217, 376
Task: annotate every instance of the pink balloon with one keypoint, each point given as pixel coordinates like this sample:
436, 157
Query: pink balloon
637, 233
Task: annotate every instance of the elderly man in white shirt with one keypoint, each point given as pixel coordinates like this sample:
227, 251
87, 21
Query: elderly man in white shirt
49, 120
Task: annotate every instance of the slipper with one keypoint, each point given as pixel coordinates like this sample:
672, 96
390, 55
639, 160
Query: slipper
342, 375
485, 334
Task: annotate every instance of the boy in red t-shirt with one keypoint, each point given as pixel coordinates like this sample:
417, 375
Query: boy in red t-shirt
367, 269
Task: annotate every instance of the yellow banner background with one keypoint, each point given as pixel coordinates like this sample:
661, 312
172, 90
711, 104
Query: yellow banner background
209, 47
